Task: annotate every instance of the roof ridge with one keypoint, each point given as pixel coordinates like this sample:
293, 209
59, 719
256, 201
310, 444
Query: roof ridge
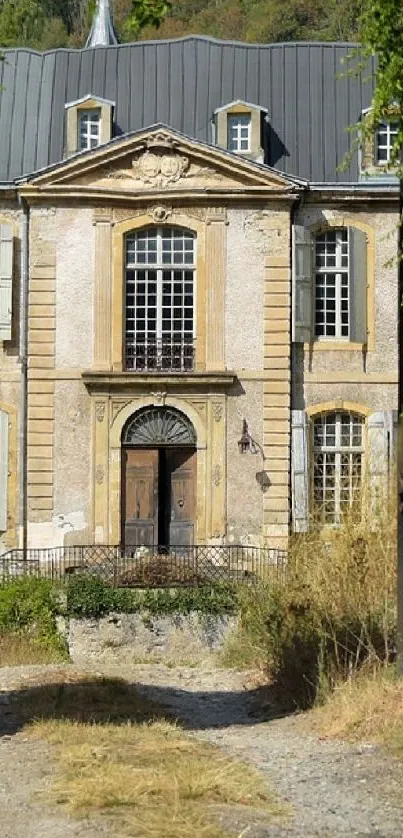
204, 38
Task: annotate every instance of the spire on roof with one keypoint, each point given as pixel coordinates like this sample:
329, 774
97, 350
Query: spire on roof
102, 32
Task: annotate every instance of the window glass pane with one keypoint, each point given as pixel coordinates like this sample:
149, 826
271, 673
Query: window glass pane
337, 466
332, 283
159, 301
238, 132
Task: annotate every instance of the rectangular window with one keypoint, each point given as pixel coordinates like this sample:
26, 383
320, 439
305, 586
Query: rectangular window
160, 299
89, 129
385, 137
332, 284
239, 130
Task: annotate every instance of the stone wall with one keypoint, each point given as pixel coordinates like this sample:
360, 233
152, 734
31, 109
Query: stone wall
10, 378
368, 377
136, 638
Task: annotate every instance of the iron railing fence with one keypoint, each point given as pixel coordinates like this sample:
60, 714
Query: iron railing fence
167, 354
144, 567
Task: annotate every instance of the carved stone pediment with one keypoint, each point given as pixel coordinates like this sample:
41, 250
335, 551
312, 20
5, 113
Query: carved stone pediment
160, 160
159, 168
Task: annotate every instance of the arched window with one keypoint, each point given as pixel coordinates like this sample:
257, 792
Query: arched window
337, 463
160, 299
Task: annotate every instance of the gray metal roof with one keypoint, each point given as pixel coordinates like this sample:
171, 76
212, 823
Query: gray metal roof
181, 83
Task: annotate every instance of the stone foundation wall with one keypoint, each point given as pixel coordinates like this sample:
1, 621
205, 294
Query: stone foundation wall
138, 638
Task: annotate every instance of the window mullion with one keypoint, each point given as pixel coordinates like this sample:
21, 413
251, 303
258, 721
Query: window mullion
159, 288
338, 305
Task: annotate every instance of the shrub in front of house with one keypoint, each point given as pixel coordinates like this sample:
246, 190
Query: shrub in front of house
91, 597
29, 608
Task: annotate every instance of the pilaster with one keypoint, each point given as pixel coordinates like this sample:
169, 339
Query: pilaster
41, 393
100, 423
277, 399
216, 221
216, 470
103, 290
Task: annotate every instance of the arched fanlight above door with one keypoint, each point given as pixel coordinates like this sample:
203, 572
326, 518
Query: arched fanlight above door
159, 426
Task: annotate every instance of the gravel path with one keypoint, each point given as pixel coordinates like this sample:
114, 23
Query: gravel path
334, 789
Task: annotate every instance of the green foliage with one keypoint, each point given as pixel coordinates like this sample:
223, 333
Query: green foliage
45, 24
91, 597
381, 34
88, 596
29, 607
145, 13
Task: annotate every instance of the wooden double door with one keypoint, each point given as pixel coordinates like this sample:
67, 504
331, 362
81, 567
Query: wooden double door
158, 496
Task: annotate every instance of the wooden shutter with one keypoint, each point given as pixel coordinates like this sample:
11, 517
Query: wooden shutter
382, 435
299, 471
358, 285
3, 469
6, 276
302, 284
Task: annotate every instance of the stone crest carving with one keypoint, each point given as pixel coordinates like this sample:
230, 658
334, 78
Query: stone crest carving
217, 411
160, 169
159, 162
217, 475
99, 474
100, 411
159, 397
160, 213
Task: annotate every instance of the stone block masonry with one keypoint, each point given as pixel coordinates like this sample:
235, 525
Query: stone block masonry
41, 390
120, 639
276, 398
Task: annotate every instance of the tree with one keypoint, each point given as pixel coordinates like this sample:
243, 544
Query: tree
382, 36
21, 21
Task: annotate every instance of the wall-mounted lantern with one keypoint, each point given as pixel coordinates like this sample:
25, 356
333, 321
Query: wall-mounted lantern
247, 443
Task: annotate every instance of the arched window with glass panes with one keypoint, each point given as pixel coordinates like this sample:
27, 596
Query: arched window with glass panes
160, 286
337, 463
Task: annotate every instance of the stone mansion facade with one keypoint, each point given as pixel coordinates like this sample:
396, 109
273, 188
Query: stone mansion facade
198, 309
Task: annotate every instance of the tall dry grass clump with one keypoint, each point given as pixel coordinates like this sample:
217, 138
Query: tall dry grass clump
349, 574
334, 612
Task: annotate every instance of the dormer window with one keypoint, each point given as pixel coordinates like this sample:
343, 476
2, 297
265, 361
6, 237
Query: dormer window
385, 138
239, 125
88, 123
377, 146
89, 129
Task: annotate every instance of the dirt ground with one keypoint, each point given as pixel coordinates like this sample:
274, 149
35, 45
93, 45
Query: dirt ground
335, 789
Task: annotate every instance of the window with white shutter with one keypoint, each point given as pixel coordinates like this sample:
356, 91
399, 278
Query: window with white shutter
6, 280
330, 285
299, 471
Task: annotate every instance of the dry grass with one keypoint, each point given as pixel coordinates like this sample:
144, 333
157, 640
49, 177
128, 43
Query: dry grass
20, 649
368, 707
351, 569
118, 757
150, 776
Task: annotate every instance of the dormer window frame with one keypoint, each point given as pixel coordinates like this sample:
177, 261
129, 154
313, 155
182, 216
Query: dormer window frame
221, 127
369, 163
239, 140
90, 133
74, 111
385, 127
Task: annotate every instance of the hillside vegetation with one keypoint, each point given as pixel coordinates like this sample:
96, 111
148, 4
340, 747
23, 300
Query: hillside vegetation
45, 24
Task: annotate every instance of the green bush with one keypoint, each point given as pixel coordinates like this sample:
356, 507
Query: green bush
88, 596
91, 597
29, 606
